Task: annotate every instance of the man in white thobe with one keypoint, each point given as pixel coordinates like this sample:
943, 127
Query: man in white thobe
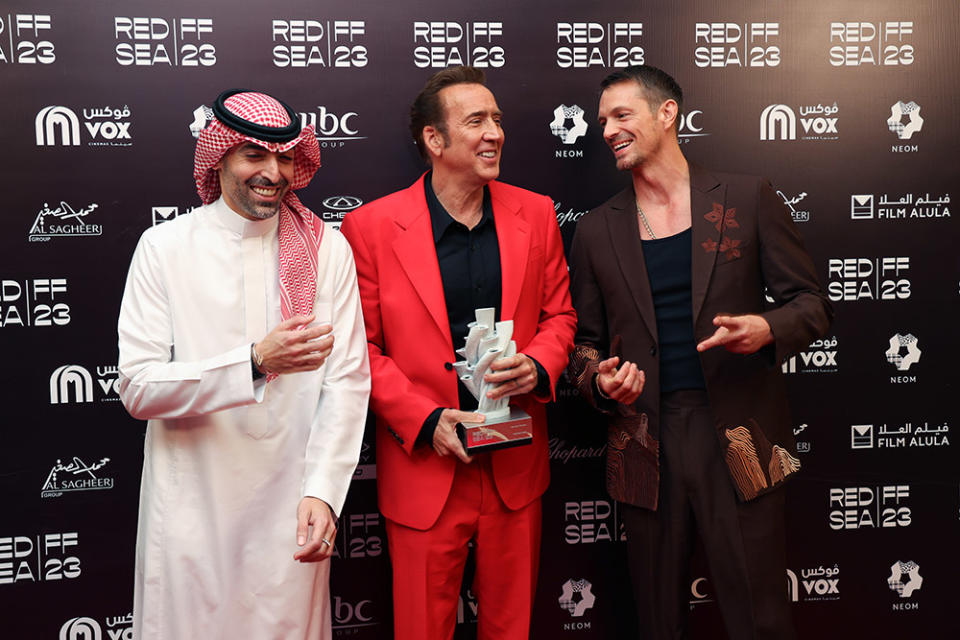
242, 342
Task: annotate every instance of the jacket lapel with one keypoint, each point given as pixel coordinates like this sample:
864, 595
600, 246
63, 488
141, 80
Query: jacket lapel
417, 255
513, 236
625, 238
708, 215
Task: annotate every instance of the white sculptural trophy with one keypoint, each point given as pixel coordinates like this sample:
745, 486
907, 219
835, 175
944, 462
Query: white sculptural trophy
505, 426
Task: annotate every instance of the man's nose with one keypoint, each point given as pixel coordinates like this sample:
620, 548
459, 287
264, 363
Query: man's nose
271, 168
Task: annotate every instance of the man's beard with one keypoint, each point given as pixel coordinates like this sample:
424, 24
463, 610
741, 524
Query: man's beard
260, 211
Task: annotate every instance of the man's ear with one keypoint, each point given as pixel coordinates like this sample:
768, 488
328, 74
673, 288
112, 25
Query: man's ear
433, 141
668, 113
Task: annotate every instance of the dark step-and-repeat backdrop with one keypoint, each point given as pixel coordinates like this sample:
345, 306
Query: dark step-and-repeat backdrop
850, 107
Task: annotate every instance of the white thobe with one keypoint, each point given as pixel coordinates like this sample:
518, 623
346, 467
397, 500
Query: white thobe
227, 459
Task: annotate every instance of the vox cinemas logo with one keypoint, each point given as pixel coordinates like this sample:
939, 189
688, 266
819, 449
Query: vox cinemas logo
37, 302
817, 122
63, 220
857, 44
300, 43
584, 45
901, 436
75, 475
73, 384
731, 44
45, 557
854, 279
438, 44
170, 42
86, 628
333, 130
57, 125
23, 39
821, 357
591, 521
816, 584
866, 206
882, 507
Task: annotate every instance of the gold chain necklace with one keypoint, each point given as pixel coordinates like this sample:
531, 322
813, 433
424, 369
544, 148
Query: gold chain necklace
646, 223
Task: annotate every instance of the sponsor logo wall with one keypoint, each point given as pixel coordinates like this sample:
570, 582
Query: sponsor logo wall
848, 110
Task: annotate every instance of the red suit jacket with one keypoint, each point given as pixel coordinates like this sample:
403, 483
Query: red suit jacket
412, 351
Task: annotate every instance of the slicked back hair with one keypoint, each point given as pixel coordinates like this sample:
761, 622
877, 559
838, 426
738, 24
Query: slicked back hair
657, 85
427, 109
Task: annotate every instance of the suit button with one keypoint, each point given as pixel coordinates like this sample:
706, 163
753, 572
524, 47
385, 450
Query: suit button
448, 366
653, 350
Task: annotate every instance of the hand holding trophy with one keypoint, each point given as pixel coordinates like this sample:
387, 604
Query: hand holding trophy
505, 426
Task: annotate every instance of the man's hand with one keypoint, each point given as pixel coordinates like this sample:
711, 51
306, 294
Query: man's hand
624, 384
516, 375
445, 440
739, 334
288, 349
315, 530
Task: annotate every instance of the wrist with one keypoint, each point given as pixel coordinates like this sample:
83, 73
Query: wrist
256, 362
600, 391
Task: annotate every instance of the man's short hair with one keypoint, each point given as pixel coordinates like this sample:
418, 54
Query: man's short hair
427, 110
658, 86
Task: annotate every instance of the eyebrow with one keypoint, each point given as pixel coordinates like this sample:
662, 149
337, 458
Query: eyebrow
613, 110
483, 112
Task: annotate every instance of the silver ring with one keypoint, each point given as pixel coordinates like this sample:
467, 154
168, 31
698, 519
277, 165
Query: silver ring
325, 541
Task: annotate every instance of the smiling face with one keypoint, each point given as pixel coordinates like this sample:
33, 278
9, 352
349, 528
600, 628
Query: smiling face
474, 134
633, 129
254, 180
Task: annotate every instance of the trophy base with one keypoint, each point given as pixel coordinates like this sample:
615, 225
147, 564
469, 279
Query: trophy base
513, 430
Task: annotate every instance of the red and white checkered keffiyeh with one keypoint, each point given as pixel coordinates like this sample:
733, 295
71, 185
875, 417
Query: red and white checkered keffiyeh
299, 231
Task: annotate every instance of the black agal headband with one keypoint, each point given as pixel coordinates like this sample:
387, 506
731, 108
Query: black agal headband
252, 129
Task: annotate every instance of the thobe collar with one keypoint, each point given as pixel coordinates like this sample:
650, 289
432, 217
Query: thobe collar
241, 226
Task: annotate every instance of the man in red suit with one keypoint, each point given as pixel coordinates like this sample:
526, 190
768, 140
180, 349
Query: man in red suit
427, 257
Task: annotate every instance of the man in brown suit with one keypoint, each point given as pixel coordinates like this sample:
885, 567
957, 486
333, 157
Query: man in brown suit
676, 346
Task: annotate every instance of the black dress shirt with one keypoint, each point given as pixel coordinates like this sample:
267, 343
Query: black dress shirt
469, 262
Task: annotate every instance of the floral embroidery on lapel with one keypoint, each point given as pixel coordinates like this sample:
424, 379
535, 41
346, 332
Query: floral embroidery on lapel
722, 220
730, 248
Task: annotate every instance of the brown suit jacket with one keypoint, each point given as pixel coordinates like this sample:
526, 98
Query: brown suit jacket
743, 242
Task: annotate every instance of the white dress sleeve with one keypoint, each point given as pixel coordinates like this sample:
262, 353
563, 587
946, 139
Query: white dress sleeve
153, 384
